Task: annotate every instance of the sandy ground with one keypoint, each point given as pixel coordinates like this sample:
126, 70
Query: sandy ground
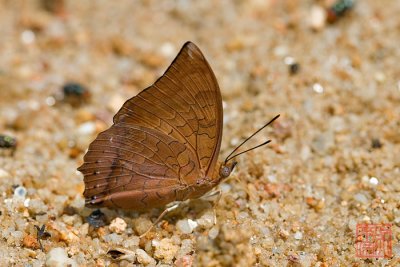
333, 163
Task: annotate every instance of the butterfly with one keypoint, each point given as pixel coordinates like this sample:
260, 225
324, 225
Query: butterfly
164, 143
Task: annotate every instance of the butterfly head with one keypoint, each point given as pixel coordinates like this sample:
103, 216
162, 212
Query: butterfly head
226, 169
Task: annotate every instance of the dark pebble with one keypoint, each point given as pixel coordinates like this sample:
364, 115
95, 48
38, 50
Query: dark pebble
7, 141
294, 68
376, 143
97, 219
338, 9
75, 93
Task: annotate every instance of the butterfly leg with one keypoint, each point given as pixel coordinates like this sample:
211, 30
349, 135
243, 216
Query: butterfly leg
159, 218
212, 194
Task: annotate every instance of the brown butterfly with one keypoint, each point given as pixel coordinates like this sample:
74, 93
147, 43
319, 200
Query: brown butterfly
164, 143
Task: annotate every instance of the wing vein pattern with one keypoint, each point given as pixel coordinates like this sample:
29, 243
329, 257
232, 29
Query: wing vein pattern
162, 140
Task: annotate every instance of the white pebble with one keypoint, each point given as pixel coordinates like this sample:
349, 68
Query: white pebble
289, 60
18, 236
144, 258
318, 88
131, 242
213, 233
26, 202
207, 220
186, 226
280, 51
20, 192
87, 128
37, 206
317, 18
117, 225
50, 101
58, 257
359, 197
168, 49
272, 178
242, 215
380, 77
373, 180
298, 235
4, 174
113, 238
28, 37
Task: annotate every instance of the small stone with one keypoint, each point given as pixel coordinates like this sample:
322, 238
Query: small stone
235, 44
186, 226
4, 174
318, 88
141, 225
359, 197
74, 89
380, 77
20, 192
283, 233
376, 143
373, 181
187, 247
70, 219
207, 220
338, 9
185, 261
317, 18
18, 236
84, 229
58, 257
30, 242
75, 93
294, 68
36, 206
7, 141
120, 46
78, 203
166, 250
323, 143
97, 219
132, 242
87, 128
152, 60
117, 225
213, 233
113, 239
167, 49
144, 258
298, 235
83, 115
28, 37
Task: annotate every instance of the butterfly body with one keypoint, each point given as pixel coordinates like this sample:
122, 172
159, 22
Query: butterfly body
164, 143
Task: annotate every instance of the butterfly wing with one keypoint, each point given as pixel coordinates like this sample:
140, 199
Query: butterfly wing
184, 103
183, 111
133, 167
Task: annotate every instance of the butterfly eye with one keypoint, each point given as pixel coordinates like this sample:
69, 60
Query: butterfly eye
225, 171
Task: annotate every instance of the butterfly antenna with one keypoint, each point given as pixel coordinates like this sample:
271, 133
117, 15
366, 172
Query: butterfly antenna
229, 157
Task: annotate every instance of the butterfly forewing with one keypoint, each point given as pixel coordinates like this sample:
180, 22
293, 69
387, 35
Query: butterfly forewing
162, 140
